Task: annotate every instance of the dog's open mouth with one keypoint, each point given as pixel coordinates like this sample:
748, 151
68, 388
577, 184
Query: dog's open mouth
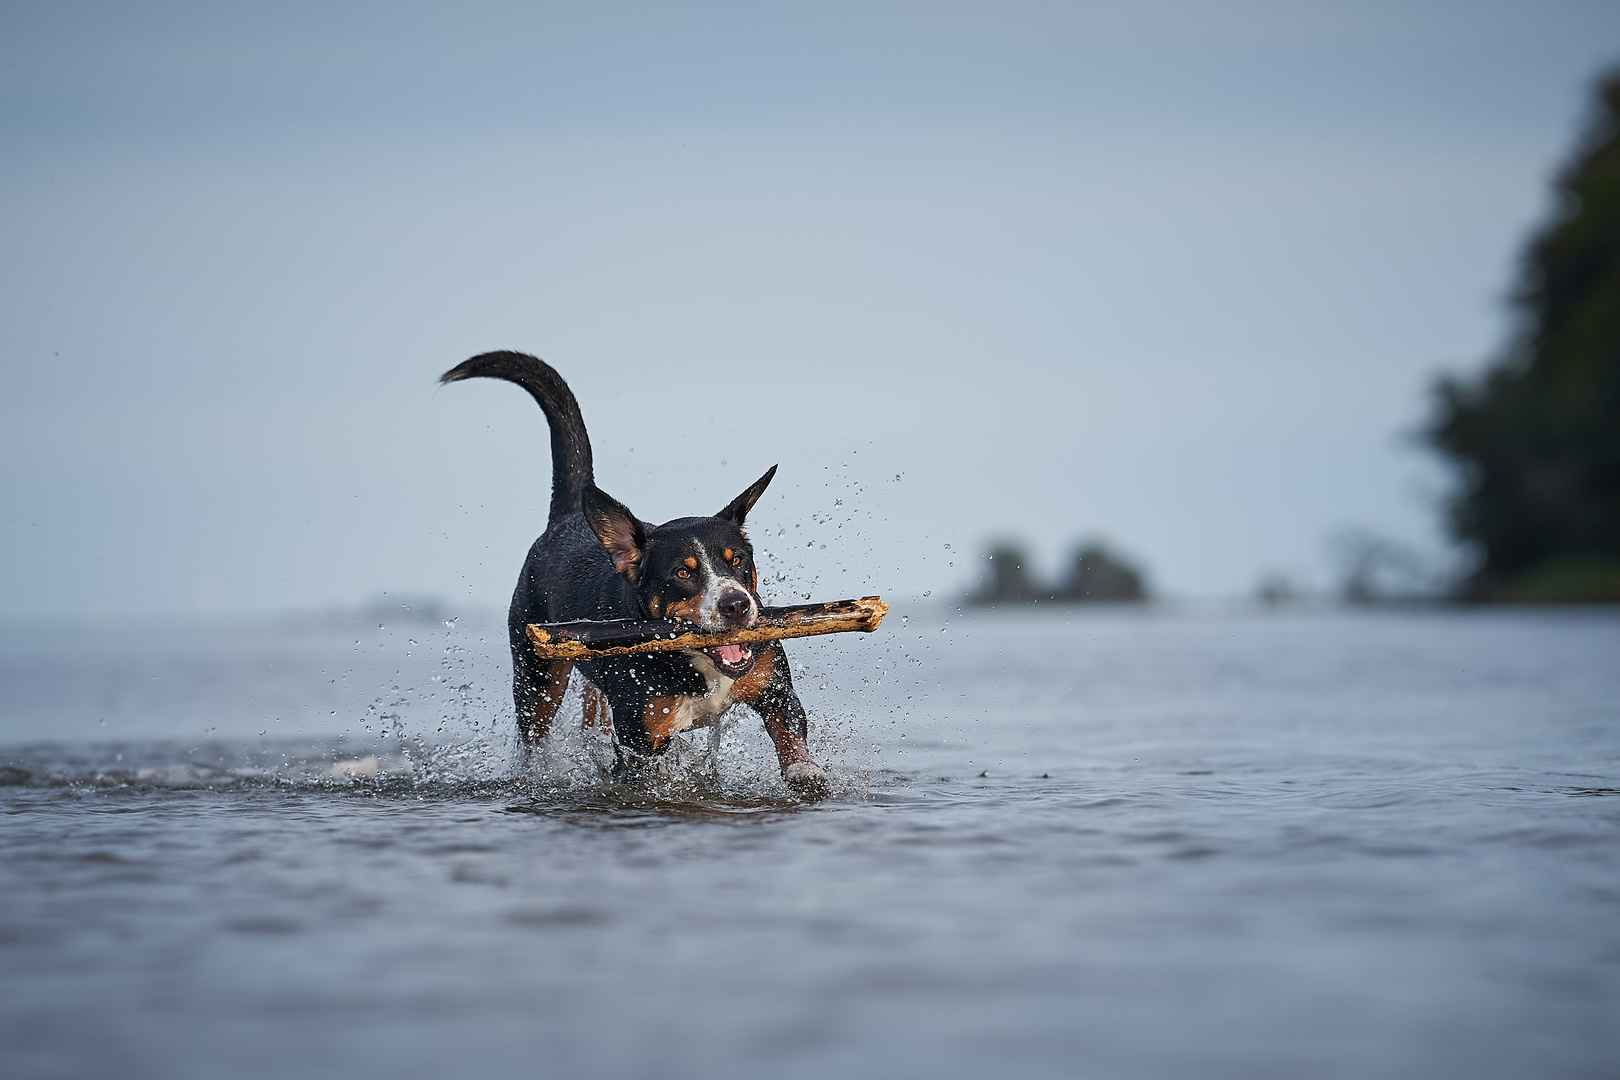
732, 660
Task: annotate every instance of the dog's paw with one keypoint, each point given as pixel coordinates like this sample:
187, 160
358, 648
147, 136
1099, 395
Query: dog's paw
806, 777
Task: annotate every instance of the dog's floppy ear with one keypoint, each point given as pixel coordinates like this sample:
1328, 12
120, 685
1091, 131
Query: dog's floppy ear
624, 537
737, 510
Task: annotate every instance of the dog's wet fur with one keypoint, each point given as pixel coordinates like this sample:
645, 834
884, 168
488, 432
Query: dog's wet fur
597, 560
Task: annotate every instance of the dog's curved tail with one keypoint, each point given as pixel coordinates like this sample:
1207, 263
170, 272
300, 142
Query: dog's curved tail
571, 470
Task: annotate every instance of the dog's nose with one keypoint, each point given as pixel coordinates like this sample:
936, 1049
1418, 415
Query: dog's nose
736, 607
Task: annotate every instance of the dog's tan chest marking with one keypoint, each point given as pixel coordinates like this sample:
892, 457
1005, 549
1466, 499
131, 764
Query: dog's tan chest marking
664, 716
747, 688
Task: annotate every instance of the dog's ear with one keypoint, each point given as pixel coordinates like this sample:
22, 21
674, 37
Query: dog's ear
624, 537
736, 511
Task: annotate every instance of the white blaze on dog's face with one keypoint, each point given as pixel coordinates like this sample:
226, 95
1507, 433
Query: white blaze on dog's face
725, 603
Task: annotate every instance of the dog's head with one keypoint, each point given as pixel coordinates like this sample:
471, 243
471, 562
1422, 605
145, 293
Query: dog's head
700, 569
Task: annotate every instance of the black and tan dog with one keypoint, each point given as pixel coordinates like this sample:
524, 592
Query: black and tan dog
596, 560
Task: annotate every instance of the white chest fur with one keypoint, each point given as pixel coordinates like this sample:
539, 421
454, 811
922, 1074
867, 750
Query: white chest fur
700, 712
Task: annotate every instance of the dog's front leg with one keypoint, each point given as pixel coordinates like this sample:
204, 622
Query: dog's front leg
768, 690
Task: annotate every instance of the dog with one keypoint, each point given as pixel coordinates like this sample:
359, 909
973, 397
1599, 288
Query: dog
597, 560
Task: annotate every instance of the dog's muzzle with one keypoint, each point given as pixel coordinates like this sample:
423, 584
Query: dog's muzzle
733, 610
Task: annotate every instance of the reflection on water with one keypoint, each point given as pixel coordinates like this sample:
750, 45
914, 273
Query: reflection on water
1118, 843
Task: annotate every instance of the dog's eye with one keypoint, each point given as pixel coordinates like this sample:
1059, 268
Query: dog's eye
683, 572
737, 561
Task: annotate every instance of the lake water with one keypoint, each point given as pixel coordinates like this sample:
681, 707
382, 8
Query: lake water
1101, 843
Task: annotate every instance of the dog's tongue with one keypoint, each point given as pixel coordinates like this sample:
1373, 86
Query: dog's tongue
730, 654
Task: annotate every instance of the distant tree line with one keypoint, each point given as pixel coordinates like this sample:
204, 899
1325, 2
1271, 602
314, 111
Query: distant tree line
1095, 574
1535, 439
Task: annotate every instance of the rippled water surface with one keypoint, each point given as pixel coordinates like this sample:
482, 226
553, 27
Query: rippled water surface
1111, 844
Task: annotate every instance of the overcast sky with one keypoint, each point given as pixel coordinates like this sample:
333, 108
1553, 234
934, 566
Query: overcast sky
1173, 274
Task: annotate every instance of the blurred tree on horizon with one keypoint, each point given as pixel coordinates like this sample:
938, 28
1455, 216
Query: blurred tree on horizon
1536, 437
1097, 574
1102, 575
1009, 577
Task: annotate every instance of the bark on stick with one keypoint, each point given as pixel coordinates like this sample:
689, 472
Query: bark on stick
588, 639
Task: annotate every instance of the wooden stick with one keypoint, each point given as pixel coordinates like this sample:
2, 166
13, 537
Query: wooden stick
588, 639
